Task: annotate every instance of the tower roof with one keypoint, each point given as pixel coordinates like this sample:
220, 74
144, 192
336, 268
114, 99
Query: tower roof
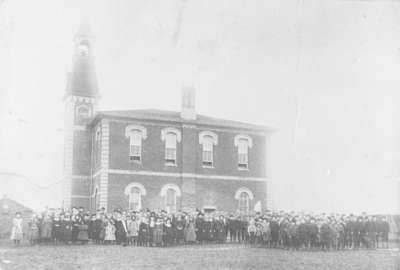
82, 79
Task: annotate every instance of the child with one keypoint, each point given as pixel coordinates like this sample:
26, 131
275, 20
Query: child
252, 229
16, 231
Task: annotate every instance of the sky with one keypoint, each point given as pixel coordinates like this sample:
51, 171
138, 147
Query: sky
323, 73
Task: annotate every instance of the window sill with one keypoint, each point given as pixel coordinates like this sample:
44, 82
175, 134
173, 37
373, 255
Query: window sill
170, 165
208, 167
135, 162
243, 169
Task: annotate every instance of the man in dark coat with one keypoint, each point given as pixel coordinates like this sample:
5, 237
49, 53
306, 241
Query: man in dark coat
199, 228
120, 229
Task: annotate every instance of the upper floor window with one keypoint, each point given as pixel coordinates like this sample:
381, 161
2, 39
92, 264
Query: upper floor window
171, 136
243, 143
208, 139
135, 134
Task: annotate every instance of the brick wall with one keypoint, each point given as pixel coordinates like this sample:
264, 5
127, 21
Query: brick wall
189, 152
215, 192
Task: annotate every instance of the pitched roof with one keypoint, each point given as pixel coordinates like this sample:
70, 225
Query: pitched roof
173, 116
82, 80
84, 30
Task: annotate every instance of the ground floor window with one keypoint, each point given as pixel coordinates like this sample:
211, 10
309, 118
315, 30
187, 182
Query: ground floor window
244, 202
244, 196
135, 193
170, 194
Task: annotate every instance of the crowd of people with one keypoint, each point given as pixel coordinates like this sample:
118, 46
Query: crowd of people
150, 229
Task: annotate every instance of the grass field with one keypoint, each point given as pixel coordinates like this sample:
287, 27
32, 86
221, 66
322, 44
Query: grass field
190, 257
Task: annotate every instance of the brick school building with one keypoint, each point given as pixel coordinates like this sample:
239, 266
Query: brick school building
137, 159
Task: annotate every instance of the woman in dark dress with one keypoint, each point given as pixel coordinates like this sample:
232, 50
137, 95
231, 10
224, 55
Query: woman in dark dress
179, 229
143, 231
158, 232
168, 232
83, 235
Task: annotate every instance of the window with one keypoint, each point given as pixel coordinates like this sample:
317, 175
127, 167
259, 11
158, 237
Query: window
171, 136
135, 152
244, 202
97, 146
135, 192
170, 148
135, 134
135, 200
170, 193
244, 197
82, 112
170, 198
243, 158
208, 139
208, 151
243, 143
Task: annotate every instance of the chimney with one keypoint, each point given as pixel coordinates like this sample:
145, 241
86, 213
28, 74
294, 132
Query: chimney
188, 111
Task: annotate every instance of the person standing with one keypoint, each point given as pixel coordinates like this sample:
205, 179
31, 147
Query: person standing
120, 229
16, 231
158, 232
190, 236
33, 230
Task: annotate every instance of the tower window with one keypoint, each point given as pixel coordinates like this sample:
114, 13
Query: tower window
82, 112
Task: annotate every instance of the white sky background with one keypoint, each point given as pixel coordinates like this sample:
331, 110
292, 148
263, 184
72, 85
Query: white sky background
325, 73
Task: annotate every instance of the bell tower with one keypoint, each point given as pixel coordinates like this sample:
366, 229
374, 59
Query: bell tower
81, 98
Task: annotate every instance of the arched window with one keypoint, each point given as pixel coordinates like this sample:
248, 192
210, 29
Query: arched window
244, 196
170, 192
244, 202
170, 201
135, 134
82, 112
243, 143
171, 136
134, 192
208, 139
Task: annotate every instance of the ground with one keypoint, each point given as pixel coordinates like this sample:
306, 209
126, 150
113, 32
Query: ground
228, 256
